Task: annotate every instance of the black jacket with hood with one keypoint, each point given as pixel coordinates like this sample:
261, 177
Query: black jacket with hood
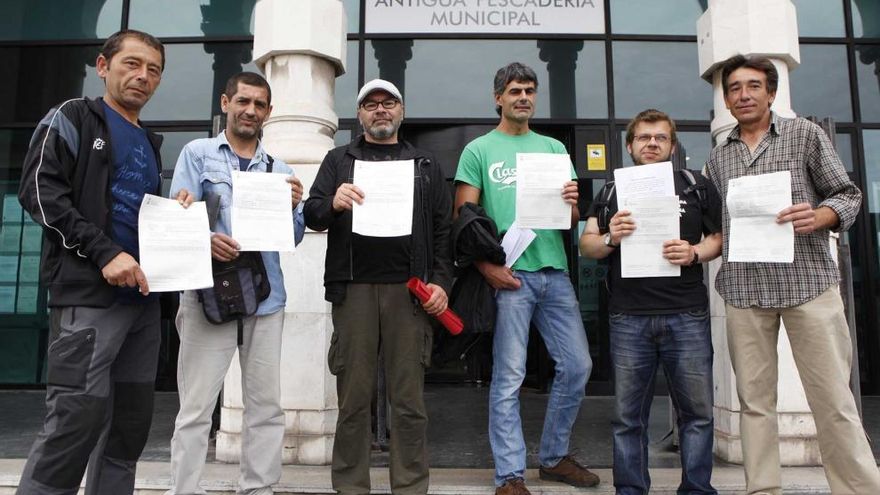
65, 187
430, 257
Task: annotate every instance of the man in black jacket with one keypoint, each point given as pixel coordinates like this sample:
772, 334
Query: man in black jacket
365, 279
89, 165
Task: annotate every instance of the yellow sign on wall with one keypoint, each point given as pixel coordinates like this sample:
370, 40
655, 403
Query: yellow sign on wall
595, 157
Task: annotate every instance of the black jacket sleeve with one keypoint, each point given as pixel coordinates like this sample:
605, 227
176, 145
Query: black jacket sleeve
318, 209
442, 220
46, 192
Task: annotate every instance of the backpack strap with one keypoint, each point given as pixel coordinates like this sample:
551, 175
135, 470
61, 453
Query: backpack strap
602, 206
269, 165
702, 197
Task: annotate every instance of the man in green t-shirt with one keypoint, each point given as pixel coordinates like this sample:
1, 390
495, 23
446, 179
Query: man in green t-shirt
537, 289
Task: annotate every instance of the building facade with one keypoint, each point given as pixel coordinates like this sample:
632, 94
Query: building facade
628, 55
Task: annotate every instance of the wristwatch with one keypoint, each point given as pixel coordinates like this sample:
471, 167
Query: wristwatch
608, 242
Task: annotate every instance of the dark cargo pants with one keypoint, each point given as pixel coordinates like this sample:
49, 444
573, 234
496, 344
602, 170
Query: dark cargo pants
372, 314
99, 400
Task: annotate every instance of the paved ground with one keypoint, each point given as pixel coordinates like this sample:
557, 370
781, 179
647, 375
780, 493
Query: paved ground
459, 446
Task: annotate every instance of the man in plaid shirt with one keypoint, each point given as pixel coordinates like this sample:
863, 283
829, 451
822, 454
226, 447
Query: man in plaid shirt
803, 294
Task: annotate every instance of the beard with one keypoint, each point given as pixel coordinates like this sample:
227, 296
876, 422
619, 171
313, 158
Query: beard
383, 131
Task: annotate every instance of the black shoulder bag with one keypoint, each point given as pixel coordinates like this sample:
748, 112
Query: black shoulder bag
239, 285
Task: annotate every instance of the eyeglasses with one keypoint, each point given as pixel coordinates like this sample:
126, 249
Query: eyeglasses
646, 138
386, 104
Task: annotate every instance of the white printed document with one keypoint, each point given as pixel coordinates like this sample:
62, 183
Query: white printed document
262, 212
540, 178
752, 204
657, 221
388, 198
515, 242
643, 181
175, 245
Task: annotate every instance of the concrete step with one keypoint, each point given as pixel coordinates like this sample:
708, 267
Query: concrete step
220, 479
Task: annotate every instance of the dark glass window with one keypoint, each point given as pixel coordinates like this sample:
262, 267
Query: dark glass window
13, 147
820, 17
173, 142
653, 17
41, 77
868, 75
343, 136
866, 18
453, 78
194, 78
820, 84
353, 15
697, 145
843, 144
54, 20
661, 75
166, 18
347, 84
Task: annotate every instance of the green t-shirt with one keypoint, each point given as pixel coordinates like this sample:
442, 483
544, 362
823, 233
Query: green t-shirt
489, 164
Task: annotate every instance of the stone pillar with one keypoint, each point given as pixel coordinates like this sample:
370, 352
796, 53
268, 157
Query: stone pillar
300, 47
769, 28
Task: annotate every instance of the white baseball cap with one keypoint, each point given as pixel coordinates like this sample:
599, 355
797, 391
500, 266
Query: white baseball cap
377, 85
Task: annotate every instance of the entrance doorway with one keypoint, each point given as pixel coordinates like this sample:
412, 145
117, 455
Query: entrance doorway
468, 358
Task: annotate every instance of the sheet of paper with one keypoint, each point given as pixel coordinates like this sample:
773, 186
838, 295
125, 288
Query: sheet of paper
515, 242
388, 198
175, 245
752, 204
657, 221
262, 212
539, 181
643, 181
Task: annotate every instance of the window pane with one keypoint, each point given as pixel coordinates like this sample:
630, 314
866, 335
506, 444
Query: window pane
820, 85
872, 195
173, 142
868, 75
41, 77
697, 145
866, 18
353, 14
661, 75
453, 78
871, 138
343, 136
653, 17
192, 17
843, 144
13, 146
194, 79
820, 17
347, 84
54, 20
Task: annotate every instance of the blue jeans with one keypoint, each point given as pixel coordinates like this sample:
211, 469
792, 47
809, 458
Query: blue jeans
546, 298
682, 344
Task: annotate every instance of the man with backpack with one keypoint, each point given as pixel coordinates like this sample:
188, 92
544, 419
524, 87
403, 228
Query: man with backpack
205, 169
662, 321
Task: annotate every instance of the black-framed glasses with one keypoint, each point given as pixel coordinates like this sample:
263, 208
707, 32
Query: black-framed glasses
386, 104
646, 138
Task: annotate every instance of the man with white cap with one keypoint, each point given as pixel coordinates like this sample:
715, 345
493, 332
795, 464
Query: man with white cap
365, 279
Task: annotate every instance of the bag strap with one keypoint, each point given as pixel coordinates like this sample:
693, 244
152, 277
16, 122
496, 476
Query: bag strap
603, 210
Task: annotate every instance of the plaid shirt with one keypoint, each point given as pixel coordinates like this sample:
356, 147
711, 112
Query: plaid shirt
819, 178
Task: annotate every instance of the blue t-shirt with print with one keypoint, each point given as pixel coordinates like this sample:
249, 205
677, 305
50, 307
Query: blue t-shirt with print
135, 173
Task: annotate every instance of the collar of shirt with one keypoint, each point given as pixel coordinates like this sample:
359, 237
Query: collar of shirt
774, 130
260, 155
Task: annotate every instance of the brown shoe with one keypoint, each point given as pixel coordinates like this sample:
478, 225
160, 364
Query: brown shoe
571, 472
516, 486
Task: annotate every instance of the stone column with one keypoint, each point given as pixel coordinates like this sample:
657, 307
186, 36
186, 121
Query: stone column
769, 28
300, 47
